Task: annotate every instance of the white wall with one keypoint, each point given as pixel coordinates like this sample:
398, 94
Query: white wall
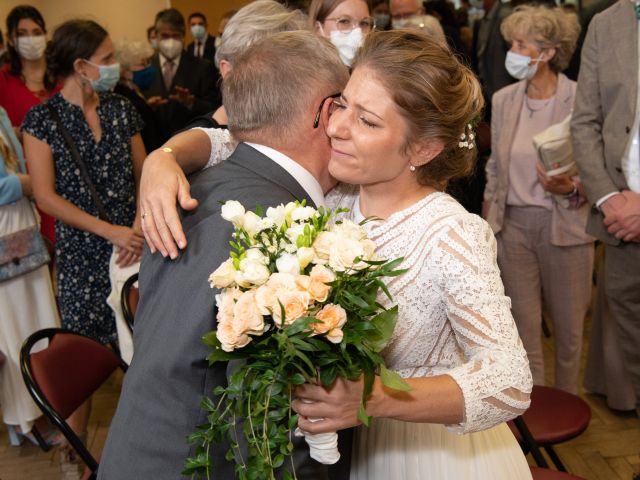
122, 18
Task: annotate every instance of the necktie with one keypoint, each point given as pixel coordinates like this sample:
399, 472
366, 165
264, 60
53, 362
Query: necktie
199, 50
167, 73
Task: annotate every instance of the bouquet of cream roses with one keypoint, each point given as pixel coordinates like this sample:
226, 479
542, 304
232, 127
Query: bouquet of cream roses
297, 304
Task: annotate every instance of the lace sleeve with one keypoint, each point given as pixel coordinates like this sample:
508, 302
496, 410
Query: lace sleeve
495, 378
222, 145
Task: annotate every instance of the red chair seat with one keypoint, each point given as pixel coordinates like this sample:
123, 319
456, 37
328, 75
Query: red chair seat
554, 416
546, 474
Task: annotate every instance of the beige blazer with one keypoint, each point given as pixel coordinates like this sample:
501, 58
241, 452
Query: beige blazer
567, 225
605, 108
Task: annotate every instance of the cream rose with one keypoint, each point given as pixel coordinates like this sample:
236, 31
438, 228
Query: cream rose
332, 318
233, 212
343, 253
223, 276
322, 246
349, 229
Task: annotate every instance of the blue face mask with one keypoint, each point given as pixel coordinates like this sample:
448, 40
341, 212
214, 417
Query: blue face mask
109, 77
144, 78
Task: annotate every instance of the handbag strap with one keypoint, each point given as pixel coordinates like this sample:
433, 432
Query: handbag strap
102, 212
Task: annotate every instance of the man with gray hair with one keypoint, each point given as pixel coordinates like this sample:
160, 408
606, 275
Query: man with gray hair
278, 96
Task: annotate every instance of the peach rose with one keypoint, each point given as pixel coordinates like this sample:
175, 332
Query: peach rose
332, 318
319, 277
225, 302
246, 316
295, 305
229, 339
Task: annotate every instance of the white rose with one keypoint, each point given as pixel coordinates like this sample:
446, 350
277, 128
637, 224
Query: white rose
349, 229
252, 223
305, 255
343, 253
223, 276
276, 214
302, 214
233, 212
288, 263
254, 271
294, 232
257, 255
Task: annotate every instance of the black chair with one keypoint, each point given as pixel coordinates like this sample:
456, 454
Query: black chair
61, 377
129, 298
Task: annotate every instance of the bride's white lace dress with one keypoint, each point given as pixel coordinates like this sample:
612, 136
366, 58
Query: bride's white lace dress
454, 319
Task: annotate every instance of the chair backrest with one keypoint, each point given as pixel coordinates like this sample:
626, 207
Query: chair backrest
129, 300
61, 377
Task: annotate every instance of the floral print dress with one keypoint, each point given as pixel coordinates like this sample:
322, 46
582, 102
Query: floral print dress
83, 258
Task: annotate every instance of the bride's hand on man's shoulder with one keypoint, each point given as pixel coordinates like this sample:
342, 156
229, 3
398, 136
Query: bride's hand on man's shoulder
162, 183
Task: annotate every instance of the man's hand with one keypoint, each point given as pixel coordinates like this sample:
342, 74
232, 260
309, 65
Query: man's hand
622, 216
183, 95
156, 101
161, 183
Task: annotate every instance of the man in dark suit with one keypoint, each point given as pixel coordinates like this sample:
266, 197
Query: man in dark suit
184, 86
272, 98
203, 45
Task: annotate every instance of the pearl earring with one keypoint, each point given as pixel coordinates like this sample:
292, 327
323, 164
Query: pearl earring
412, 168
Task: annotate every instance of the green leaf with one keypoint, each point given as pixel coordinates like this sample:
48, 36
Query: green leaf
392, 380
363, 417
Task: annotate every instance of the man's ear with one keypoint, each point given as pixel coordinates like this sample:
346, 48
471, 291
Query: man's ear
225, 68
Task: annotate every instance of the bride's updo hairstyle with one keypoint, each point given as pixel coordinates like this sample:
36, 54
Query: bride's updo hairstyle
438, 97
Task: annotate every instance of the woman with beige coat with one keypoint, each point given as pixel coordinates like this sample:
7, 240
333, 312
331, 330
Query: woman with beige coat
539, 220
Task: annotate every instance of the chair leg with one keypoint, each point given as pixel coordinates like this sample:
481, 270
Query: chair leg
530, 443
554, 458
42, 443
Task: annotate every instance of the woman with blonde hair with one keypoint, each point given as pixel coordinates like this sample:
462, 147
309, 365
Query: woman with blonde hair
539, 220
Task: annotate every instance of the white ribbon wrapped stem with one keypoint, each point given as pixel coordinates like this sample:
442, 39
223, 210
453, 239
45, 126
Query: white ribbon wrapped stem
323, 447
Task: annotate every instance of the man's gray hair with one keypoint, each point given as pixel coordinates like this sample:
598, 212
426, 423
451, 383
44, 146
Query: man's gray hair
254, 22
269, 91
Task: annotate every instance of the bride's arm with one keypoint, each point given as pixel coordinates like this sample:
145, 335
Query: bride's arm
492, 385
163, 181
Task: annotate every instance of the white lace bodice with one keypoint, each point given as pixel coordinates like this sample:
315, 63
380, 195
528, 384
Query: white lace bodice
454, 316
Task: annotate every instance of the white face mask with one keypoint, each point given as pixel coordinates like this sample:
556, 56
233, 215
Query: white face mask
170, 48
31, 48
521, 67
347, 44
403, 22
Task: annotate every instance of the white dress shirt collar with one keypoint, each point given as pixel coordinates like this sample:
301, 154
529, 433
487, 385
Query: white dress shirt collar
307, 181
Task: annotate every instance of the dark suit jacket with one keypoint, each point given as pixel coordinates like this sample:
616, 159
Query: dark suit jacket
159, 404
200, 77
209, 48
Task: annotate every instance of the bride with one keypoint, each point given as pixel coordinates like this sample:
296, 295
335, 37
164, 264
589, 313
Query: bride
400, 131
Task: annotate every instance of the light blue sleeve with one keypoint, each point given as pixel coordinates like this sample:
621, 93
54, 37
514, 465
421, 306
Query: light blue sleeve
10, 188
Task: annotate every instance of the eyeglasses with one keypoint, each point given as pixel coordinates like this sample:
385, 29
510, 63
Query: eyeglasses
347, 24
316, 120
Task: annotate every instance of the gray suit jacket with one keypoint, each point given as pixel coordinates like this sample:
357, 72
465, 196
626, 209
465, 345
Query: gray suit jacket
605, 107
567, 225
160, 401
